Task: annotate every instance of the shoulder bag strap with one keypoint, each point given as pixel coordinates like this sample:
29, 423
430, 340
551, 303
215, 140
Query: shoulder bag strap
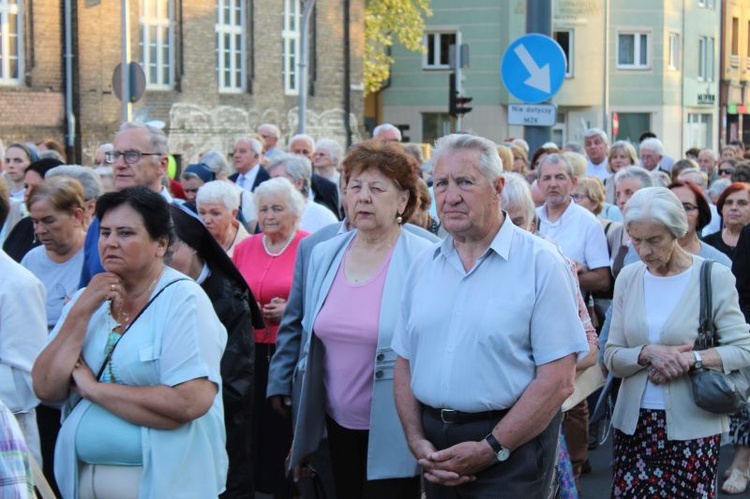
111, 350
706, 333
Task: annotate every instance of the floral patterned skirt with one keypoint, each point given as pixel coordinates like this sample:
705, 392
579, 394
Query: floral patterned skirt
648, 465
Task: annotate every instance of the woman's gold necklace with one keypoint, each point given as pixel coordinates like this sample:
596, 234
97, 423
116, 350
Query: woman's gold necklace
123, 316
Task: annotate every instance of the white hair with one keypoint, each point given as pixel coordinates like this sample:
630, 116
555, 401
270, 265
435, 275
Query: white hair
657, 204
694, 175
305, 137
297, 166
653, 144
332, 147
254, 144
270, 126
294, 200
386, 127
517, 194
89, 179
596, 132
216, 162
637, 172
558, 158
490, 163
219, 191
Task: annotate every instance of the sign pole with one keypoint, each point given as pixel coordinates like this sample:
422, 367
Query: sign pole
538, 20
125, 67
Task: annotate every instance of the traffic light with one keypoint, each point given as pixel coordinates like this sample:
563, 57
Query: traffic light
456, 103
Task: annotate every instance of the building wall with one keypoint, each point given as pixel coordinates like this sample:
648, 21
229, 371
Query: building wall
36, 109
596, 89
196, 114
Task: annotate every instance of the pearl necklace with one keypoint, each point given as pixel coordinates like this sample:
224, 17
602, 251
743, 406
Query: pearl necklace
283, 249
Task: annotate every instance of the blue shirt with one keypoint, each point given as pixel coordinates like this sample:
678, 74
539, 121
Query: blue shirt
474, 339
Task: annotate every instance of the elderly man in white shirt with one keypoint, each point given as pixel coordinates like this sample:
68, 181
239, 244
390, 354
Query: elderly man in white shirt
596, 145
23, 334
298, 170
487, 342
578, 233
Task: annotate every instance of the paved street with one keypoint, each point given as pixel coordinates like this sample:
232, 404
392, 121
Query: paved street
595, 485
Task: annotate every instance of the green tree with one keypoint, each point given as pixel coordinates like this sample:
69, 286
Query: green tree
386, 21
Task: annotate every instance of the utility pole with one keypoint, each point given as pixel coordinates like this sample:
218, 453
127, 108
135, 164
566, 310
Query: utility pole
304, 55
538, 20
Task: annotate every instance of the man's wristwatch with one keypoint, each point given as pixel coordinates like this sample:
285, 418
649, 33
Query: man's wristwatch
501, 452
698, 361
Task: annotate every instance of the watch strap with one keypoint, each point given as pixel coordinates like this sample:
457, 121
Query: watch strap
496, 446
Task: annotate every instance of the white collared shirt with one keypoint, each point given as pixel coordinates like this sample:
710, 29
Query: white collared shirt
315, 217
598, 170
578, 233
246, 180
474, 339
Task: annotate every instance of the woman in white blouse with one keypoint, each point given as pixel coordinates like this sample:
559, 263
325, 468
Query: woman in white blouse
654, 328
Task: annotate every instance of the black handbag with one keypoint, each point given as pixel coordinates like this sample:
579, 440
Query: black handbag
715, 391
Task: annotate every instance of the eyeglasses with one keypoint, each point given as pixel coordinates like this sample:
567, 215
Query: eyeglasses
578, 197
130, 156
689, 207
726, 171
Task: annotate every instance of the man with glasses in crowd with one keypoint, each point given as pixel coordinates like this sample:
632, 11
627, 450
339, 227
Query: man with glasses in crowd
139, 158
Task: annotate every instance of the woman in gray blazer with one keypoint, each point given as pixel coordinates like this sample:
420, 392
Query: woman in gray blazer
352, 303
665, 445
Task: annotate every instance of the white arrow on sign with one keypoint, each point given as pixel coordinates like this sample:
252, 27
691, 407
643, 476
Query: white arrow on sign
539, 77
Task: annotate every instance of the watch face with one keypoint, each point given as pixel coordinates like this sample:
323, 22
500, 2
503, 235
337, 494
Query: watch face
503, 454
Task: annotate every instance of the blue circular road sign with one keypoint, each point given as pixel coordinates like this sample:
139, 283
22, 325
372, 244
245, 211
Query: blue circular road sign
533, 68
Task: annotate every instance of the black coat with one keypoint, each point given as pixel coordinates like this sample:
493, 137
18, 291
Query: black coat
232, 304
741, 270
326, 193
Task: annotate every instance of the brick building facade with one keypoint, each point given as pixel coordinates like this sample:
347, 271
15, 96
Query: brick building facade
215, 70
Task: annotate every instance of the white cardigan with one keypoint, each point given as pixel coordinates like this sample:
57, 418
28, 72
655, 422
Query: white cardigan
629, 333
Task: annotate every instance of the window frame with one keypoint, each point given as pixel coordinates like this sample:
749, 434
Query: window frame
237, 55
145, 23
637, 49
673, 54
436, 47
10, 8
290, 41
569, 55
706, 58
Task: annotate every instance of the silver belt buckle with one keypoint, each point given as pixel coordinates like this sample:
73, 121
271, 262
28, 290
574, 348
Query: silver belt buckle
443, 412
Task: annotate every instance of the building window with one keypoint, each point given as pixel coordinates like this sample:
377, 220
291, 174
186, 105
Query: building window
632, 50
674, 51
705, 58
708, 4
565, 39
157, 44
11, 28
290, 35
437, 50
434, 126
230, 45
698, 130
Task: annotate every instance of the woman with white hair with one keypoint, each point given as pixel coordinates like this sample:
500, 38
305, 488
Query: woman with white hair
217, 163
327, 159
654, 328
266, 261
218, 203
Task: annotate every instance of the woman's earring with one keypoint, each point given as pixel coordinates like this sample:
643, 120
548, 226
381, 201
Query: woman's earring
399, 220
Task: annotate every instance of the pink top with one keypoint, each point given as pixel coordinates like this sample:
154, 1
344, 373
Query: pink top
268, 276
347, 325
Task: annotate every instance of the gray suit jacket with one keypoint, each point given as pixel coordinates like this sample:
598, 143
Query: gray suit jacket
388, 454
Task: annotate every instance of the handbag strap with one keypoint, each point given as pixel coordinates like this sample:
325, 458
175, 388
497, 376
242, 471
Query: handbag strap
112, 350
706, 329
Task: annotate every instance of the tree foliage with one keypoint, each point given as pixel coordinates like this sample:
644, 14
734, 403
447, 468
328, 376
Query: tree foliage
387, 21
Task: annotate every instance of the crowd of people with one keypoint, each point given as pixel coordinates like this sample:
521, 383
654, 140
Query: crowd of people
368, 323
